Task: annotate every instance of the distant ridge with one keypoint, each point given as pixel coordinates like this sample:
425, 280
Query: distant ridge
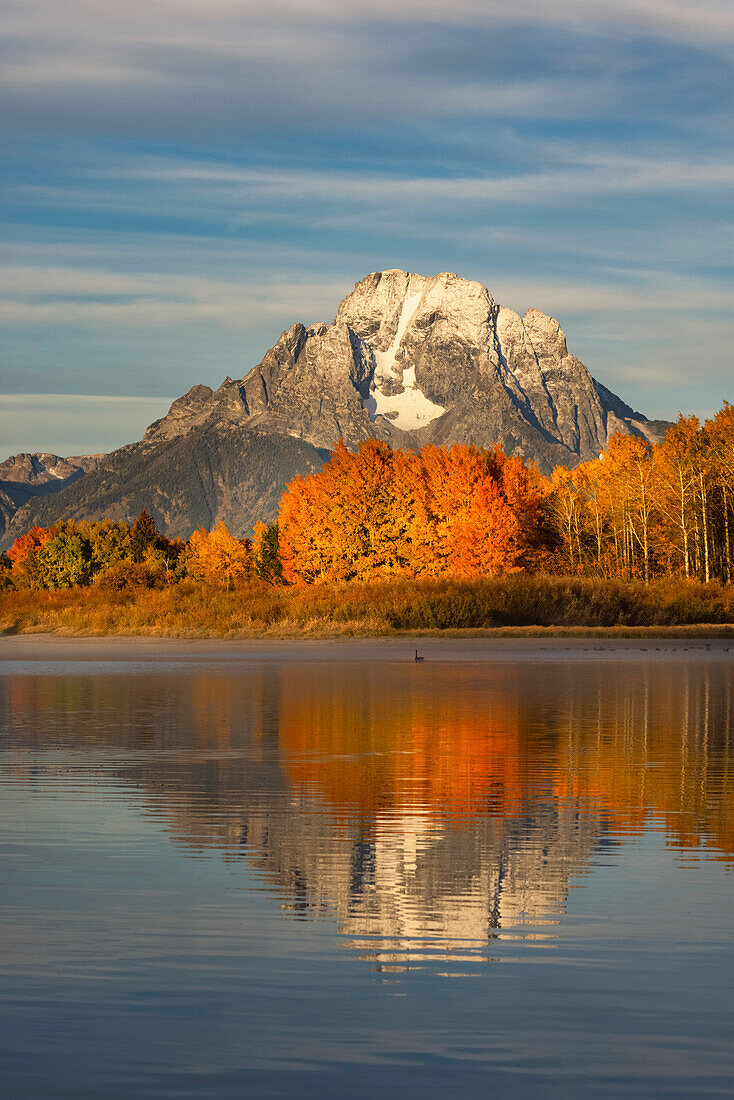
25, 476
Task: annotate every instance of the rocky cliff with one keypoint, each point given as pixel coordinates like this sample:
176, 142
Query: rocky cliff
408, 359
412, 359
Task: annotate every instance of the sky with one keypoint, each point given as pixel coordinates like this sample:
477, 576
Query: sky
183, 179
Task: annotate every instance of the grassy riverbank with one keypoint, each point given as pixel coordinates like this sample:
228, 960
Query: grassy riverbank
515, 603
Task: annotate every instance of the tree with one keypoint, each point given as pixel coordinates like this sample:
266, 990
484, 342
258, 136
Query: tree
384, 513
66, 559
630, 459
721, 435
6, 572
24, 554
566, 506
111, 543
266, 554
345, 522
28, 544
144, 535
217, 556
678, 483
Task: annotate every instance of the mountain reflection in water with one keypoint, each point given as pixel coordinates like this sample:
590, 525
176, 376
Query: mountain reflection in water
430, 810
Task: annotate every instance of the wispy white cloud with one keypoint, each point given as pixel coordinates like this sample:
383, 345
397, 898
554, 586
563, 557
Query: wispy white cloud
46, 402
337, 199
74, 296
210, 24
180, 66
621, 292
435, 96
49, 294
692, 244
184, 66
584, 174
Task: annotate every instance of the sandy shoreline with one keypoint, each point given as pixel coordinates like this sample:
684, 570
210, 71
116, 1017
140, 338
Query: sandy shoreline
593, 646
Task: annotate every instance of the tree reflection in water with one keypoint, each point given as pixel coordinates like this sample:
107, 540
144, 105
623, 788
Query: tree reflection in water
429, 809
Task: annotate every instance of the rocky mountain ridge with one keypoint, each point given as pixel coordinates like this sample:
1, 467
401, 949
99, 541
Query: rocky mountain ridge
25, 476
413, 359
409, 359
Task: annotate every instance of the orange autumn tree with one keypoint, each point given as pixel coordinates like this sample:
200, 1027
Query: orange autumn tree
218, 557
485, 511
28, 544
24, 556
382, 513
345, 521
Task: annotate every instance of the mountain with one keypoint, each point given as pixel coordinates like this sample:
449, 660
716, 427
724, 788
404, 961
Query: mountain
412, 360
409, 359
25, 476
222, 471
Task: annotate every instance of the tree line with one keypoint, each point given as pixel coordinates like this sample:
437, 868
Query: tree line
439, 512
638, 512
641, 511
118, 555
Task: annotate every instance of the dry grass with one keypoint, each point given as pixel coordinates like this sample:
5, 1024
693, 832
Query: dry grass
513, 604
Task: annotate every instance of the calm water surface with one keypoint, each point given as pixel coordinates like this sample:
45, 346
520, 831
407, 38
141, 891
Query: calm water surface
327, 871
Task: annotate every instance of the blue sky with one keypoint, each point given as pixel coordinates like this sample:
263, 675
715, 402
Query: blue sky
184, 178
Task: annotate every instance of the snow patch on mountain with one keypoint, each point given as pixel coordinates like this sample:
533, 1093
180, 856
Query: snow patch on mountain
409, 408
385, 361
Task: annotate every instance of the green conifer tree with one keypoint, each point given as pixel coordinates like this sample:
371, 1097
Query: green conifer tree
268, 566
144, 535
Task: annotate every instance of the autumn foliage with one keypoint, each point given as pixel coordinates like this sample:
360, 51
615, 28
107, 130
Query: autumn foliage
29, 544
217, 556
639, 513
462, 512
111, 555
